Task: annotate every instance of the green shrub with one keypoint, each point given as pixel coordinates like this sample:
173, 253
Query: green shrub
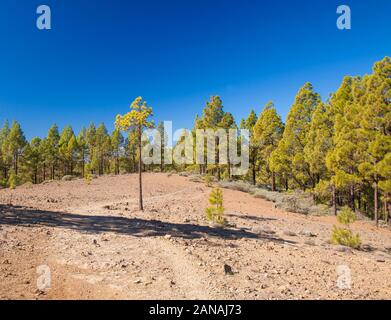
208, 179
215, 211
194, 168
183, 174
343, 235
12, 181
88, 178
3, 183
346, 216
196, 178
293, 201
225, 176
237, 185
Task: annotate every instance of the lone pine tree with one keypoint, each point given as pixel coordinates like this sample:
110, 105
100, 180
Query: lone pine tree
215, 211
137, 118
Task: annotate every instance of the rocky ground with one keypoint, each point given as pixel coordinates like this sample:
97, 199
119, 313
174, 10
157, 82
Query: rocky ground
97, 245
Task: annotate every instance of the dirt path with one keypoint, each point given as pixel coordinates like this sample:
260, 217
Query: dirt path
97, 245
190, 280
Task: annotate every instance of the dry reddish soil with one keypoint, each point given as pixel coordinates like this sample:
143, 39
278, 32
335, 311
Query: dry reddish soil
99, 246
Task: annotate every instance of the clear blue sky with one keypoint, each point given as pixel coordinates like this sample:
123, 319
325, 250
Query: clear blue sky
102, 54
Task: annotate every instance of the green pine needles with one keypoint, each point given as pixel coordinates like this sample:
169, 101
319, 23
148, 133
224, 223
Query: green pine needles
344, 235
215, 211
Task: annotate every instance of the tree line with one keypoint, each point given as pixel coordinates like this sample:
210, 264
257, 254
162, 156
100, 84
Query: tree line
338, 149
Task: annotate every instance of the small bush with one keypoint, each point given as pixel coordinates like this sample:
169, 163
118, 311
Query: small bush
237, 185
208, 179
225, 176
183, 174
195, 178
3, 183
343, 235
346, 216
320, 210
193, 169
215, 211
297, 201
88, 178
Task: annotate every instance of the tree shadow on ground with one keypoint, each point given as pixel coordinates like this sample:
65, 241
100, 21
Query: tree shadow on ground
249, 217
29, 217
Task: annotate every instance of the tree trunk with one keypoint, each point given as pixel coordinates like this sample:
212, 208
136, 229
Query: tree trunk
273, 181
162, 159
254, 182
376, 208
228, 160
218, 159
351, 198
16, 164
334, 200
141, 207
83, 168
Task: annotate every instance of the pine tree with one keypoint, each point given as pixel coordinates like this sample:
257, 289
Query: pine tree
137, 118
375, 125
91, 142
227, 123
249, 124
5, 158
215, 211
341, 160
268, 132
52, 149
82, 150
116, 142
33, 158
131, 150
101, 149
212, 118
384, 166
344, 235
67, 149
319, 142
163, 147
288, 159
16, 143
43, 151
